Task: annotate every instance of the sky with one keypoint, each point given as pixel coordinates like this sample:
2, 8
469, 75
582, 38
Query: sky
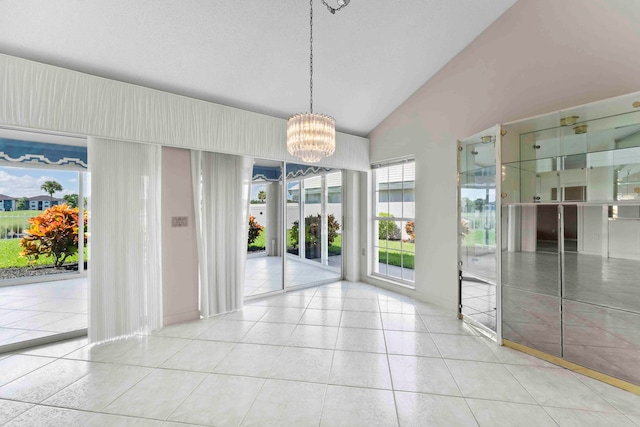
26, 182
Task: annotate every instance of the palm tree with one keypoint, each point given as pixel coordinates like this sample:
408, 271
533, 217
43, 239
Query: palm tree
51, 187
262, 196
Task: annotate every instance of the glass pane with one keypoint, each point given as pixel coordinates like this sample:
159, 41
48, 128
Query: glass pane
382, 191
531, 319
408, 266
409, 190
604, 339
530, 258
314, 227
263, 272
257, 233
478, 224
293, 217
42, 243
409, 237
334, 218
541, 144
313, 218
479, 302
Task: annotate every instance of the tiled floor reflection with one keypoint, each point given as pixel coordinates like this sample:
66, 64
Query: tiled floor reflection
479, 302
345, 354
42, 309
264, 274
596, 323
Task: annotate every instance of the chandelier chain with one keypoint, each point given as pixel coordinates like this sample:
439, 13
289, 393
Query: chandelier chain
311, 57
334, 9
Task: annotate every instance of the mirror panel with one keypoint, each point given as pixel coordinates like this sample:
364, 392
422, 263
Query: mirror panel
263, 271
313, 225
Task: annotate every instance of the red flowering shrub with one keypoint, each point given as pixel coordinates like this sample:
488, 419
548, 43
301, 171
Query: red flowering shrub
53, 233
410, 228
254, 229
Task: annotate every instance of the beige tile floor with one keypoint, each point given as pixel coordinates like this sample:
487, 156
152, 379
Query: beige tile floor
344, 354
42, 309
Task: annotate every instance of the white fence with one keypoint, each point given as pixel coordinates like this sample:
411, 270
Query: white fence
259, 211
14, 224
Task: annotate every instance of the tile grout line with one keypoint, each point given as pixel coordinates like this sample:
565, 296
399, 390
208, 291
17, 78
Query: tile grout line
393, 389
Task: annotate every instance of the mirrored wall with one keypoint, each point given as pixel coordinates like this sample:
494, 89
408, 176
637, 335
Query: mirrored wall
313, 225
570, 247
295, 227
264, 265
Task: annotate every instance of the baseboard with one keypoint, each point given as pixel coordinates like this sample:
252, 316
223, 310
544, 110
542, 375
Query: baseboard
616, 382
181, 317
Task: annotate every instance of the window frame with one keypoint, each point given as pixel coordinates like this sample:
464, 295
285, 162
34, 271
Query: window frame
375, 194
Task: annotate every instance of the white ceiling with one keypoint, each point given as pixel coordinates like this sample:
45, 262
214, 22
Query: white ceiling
253, 54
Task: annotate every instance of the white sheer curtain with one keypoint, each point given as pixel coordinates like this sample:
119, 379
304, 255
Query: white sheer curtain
125, 274
221, 192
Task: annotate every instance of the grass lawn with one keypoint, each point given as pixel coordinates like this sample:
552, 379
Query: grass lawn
260, 243
9, 255
477, 237
396, 252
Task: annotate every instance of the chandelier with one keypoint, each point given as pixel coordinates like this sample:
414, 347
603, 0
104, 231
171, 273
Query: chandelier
312, 136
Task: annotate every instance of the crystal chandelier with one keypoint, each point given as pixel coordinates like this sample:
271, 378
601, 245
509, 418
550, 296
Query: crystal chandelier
312, 136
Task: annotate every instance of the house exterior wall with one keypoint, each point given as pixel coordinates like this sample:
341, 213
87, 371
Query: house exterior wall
7, 205
540, 56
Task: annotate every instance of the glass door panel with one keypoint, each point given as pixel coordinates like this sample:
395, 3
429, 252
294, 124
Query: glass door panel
263, 272
477, 229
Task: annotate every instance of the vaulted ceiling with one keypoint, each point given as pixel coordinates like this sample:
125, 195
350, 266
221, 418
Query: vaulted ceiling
254, 54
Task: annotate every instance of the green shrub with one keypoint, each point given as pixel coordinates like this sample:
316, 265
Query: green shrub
312, 225
388, 230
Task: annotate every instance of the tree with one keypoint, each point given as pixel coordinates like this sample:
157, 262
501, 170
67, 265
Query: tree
262, 196
479, 204
71, 199
51, 187
23, 204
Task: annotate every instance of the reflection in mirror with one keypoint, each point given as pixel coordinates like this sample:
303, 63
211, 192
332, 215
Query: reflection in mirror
532, 319
601, 302
530, 281
524, 265
604, 339
604, 268
313, 225
264, 258
577, 269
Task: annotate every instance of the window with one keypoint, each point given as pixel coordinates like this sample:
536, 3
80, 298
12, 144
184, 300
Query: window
394, 220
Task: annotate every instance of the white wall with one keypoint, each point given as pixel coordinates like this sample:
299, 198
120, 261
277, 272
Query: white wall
179, 250
540, 56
